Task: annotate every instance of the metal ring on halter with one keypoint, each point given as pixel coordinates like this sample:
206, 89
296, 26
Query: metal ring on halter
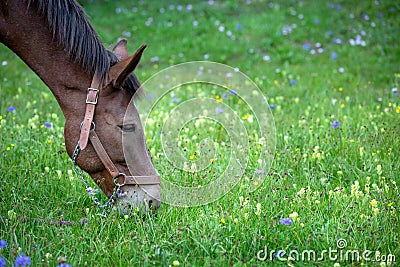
92, 128
116, 182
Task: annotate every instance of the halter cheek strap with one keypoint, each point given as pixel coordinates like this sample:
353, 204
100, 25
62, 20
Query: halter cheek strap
88, 133
91, 101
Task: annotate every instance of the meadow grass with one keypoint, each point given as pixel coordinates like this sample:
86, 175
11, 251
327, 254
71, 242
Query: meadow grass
330, 71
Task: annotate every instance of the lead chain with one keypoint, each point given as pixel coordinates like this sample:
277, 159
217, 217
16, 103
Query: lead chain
105, 207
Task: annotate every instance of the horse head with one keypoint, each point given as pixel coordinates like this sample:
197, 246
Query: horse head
118, 129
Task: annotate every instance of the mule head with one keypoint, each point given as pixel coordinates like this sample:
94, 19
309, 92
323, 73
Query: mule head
118, 127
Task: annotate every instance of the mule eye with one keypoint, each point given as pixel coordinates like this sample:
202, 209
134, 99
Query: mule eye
127, 127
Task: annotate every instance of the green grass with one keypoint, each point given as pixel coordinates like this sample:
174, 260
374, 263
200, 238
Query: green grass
342, 183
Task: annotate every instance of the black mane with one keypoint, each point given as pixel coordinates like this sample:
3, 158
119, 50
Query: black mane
71, 29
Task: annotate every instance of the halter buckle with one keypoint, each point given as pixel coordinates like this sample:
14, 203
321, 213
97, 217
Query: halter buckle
96, 96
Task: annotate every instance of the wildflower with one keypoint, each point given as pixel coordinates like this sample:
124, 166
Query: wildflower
11, 109
258, 209
92, 191
375, 211
272, 106
335, 124
279, 254
46, 169
175, 263
334, 56
307, 46
175, 100
2, 262
293, 215
47, 125
258, 172
22, 260
373, 203
286, 221
64, 265
219, 110
245, 117
59, 173
3, 244
379, 169
222, 220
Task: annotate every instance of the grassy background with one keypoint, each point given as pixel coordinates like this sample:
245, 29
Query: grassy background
341, 182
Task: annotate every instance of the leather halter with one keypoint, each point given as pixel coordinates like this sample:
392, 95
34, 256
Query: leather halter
88, 133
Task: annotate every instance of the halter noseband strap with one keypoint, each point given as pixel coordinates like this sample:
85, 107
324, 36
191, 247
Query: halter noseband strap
88, 133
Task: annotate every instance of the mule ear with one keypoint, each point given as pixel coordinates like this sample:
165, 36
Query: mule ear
120, 49
121, 71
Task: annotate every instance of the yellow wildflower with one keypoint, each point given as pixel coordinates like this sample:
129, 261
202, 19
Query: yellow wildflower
379, 169
373, 203
293, 216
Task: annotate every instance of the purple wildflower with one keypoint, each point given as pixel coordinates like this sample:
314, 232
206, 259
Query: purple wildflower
259, 172
64, 265
3, 244
307, 46
334, 56
22, 260
279, 254
11, 109
120, 193
92, 191
395, 91
272, 106
219, 110
175, 100
336, 40
286, 221
83, 221
335, 124
149, 96
47, 125
2, 262
232, 92
239, 27
293, 81
224, 95
316, 21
